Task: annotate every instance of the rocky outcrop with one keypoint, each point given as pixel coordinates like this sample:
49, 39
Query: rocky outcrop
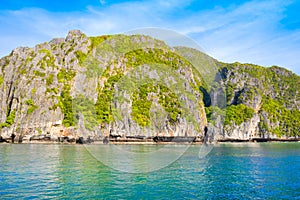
30, 86
75, 87
268, 98
129, 86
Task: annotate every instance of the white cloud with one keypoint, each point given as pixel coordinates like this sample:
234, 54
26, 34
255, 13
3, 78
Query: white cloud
102, 2
246, 33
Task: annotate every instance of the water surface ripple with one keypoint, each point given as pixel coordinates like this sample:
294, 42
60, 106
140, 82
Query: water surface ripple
229, 171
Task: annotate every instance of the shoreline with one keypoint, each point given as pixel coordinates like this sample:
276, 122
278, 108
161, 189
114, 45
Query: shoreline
152, 142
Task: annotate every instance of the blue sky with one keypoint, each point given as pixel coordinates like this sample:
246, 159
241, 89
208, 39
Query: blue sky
260, 32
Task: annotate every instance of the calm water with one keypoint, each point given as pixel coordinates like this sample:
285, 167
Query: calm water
234, 171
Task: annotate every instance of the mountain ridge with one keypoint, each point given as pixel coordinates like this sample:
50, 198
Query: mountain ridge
82, 86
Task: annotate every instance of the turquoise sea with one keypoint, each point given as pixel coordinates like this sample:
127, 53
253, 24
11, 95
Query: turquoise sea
228, 171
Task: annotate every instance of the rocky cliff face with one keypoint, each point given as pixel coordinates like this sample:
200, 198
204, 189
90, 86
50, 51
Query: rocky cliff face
261, 102
248, 101
33, 81
136, 85
81, 86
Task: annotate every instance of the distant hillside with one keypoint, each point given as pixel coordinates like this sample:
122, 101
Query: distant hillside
137, 85
260, 102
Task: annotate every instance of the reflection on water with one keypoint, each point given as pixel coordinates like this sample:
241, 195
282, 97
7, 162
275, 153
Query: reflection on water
242, 171
137, 158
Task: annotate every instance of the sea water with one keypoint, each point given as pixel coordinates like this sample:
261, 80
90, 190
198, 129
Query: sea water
228, 171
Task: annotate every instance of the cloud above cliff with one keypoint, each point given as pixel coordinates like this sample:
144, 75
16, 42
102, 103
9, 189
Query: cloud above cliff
261, 32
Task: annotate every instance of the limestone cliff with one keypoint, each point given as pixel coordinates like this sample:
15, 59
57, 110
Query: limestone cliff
272, 94
96, 86
248, 101
138, 86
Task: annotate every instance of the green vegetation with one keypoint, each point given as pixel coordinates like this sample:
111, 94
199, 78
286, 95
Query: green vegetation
114, 57
38, 73
47, 61
121, 44
140, 111
65, 99
29, 102
283, 121
33, 91
92, 67
49, 79
1, 80
95, 41
65, 103
116, 45
206, 65
277, 81
65, 76
29, 58
238, 114
39, 130
103, 104
141, 103
54, 107
140, 106
170, 102
213, 112
279, 89
86, 107
71, 48
23, 71
10, 119
80, 56
46, 51
32, 107
54, 90
158, 56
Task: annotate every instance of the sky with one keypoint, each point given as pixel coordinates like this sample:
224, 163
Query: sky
258, 31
